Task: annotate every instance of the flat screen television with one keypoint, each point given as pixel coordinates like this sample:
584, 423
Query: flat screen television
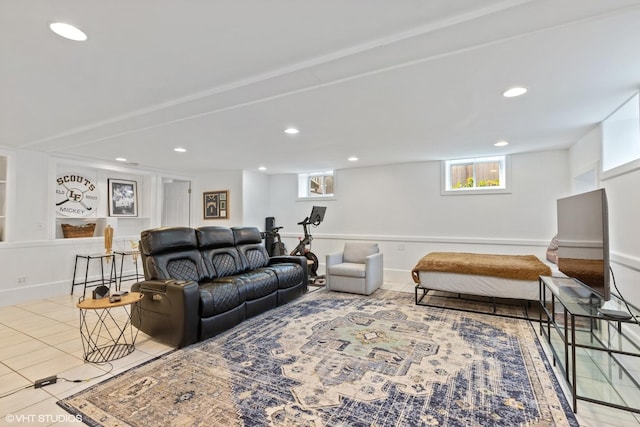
583, 244
583, 240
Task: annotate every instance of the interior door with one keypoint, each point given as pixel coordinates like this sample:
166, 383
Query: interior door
176, 204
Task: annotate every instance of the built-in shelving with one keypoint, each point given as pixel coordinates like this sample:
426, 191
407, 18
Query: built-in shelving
123, 226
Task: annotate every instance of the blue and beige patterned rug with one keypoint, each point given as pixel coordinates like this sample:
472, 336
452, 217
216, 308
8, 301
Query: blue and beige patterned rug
333, 359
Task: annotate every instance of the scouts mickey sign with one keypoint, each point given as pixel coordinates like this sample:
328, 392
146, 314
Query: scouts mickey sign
76, 195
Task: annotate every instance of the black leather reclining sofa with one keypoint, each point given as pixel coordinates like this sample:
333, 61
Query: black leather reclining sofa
200, 282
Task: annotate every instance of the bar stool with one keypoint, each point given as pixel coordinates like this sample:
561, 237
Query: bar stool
101, 281
134, 254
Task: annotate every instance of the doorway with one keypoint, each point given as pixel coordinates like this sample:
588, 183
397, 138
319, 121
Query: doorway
176, 203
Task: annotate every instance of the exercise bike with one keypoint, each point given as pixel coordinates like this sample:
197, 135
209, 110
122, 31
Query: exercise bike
316, 217
277, 247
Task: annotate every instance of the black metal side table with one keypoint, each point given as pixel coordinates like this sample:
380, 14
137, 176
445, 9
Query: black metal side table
105, 335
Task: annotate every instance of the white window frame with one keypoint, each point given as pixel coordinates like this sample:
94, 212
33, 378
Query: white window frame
621, 140
304, 185
504, 176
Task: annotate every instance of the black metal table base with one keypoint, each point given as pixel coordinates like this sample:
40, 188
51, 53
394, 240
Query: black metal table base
424, 291
104, 336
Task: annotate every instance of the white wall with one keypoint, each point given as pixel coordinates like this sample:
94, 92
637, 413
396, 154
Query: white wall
401, 207
623, 194
219, 181
584, 162
28, 217
255, 196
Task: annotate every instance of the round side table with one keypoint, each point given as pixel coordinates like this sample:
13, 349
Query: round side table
106, 329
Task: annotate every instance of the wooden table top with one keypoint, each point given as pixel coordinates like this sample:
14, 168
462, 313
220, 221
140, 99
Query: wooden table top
94, 304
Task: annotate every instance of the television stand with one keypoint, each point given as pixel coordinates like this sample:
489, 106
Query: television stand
612, 310
601, 347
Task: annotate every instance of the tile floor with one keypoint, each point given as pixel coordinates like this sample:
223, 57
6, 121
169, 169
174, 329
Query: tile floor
41, 338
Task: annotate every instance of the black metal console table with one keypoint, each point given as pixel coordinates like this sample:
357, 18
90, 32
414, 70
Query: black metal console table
595, 353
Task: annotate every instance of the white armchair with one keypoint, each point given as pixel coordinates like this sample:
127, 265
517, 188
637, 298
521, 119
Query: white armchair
357, 269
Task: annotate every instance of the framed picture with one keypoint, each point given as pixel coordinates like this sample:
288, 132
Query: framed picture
123, 197
215, 204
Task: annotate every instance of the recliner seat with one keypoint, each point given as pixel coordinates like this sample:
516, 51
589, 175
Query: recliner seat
200, 282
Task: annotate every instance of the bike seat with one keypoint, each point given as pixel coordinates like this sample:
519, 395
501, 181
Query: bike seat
276, 228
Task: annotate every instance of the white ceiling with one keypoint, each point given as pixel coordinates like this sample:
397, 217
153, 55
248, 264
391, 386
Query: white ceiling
386, 81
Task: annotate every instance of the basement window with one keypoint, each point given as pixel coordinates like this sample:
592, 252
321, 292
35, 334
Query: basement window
482, 175
621, 139
315, 185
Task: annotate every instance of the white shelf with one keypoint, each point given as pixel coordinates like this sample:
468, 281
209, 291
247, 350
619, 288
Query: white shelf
123, 226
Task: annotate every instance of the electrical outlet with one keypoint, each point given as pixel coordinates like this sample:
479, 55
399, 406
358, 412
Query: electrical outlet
22, 279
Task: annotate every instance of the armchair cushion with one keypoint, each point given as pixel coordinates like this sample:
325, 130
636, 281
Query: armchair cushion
357, 252
348, 269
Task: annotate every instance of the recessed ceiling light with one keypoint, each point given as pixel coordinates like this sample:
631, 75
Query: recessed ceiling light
291, 131
68, 31
514, 91
501, 144
121, 159
353, 159
262, 168
180, 150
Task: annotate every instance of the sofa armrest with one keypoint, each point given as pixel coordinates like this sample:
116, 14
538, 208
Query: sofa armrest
300, 260
374, 262
374, 268
288, 258
333, 259
170, 310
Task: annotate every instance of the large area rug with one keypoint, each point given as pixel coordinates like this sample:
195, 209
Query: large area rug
333, 359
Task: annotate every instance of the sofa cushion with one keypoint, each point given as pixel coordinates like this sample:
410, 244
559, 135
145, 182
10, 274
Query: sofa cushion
357, 252
218, 297
182, 265
257, 283
223, 262
254, 256
249, 244
167, 239
552, 250
348, 269
246, 235
288, 274
172, 253
214, 237
220, 255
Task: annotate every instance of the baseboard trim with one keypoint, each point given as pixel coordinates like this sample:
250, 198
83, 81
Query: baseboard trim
38, 291
425, 239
